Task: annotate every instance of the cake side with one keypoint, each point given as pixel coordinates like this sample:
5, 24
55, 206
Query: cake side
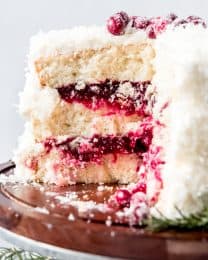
184, 56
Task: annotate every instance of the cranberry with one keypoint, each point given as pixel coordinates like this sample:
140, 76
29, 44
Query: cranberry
171, 17
123, 197
48, 144
196, 20
193, 18
140, 187
159, 24
181, 22
117, 23
151, 32
140, 22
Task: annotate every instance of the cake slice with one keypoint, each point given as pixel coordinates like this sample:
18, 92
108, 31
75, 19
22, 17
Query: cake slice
88, 96
120, 106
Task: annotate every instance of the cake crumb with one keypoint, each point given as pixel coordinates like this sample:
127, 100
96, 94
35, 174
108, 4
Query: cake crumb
71, 217
108, 221
100, 188
112, 233
42, 210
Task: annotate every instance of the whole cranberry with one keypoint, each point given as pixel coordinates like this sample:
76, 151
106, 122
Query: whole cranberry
171, 17
123, 197
151, 32
117, 23
140, 22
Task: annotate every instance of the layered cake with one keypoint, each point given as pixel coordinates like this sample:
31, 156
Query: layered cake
124, 104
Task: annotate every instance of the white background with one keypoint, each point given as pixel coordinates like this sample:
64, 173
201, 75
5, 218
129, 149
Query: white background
19, 19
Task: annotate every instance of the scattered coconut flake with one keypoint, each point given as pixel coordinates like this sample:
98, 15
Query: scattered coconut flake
42, 210
92, 215
50, 193
49, 225
52, 205
9, 178
101, 188
112, 233
108, 221
86, 196
85, 206
71, 217
42, 189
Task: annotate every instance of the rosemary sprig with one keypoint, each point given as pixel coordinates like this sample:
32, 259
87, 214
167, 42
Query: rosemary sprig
19, 254
196, 221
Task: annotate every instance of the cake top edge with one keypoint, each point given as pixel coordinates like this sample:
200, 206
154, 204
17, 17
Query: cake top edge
77, 39
120, 29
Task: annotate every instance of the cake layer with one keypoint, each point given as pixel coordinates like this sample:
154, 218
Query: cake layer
89, 160
131, 62
109, 107
53, 171
90, 55
75, 119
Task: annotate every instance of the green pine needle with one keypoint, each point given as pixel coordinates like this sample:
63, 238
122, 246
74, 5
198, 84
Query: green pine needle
19, 254
196, 221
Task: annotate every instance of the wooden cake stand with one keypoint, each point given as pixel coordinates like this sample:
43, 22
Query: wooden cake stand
45, 219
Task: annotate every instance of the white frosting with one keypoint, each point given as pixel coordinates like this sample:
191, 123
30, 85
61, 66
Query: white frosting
78, 38
37, 102
26, 145
181, 66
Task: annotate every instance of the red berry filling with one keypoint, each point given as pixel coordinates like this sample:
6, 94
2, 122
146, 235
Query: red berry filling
97, 95
92, 149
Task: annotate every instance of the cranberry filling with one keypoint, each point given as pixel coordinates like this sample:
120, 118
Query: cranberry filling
94, 148
96, 95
